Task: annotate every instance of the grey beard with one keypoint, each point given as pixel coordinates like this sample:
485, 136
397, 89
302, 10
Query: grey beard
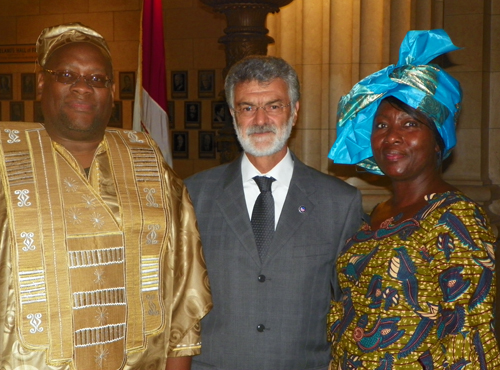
278, 143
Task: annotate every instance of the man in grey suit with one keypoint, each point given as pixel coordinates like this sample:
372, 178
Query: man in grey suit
271, 289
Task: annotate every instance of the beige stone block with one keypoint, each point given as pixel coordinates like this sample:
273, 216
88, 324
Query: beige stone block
466, 157
340, 84
366, 69
29, 28
7, 24
495, 43
125, 55
374, 41
494, 99
466, 31
289, 35
127, 25
63, 7
295, 141
311, 102
494, 155
19, 7
311, 152
208, 53
312, 33
341, 35
460, 7
179, 53
102, 22
472, 87
114, 5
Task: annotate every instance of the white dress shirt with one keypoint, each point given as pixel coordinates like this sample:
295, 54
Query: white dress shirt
282, 172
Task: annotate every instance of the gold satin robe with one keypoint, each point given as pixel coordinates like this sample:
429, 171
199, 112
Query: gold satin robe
98, 272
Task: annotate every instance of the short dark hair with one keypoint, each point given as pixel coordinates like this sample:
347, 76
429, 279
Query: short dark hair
262, 69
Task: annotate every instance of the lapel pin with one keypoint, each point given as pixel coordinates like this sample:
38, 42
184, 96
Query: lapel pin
302, 209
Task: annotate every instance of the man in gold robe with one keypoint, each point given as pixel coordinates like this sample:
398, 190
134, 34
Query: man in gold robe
100, 257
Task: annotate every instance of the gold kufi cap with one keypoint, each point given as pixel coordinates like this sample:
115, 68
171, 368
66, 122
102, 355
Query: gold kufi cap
52, 38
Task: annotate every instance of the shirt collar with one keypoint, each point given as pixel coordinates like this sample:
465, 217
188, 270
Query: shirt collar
282, 172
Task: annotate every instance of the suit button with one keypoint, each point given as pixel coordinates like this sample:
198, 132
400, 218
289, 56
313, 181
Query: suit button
261, 278
260, 328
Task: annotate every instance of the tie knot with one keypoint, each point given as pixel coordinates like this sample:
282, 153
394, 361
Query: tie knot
264, 183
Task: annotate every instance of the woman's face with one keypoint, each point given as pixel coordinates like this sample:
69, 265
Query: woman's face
404, 148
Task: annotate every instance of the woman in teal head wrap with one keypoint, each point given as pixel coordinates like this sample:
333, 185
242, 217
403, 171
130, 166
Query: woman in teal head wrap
418, 277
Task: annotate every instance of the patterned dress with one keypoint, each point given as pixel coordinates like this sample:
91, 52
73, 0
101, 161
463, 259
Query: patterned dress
418, 293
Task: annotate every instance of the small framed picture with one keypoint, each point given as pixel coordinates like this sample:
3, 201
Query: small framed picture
192, 114
37, 112
16, 111
220, 114
206, 84
6, 86
28, 86
206, 144
179, 84
171, 114
180, 144
116, 115
127, 85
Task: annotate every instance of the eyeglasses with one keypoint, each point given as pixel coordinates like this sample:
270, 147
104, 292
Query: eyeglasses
271, 109
70, 78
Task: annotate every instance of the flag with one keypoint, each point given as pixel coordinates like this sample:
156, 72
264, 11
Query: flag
150, 106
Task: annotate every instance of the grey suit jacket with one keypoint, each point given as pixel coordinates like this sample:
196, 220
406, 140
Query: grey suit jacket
271, 315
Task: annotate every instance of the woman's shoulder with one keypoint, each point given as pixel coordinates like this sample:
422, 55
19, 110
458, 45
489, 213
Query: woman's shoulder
453, 199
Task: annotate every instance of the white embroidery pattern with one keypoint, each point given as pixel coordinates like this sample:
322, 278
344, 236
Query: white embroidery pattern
100, 335
153, 310
150, 198
14, 138
70, 184
28, 241
97, 220
132, 135
74, 215
97, 257
102, 315
101, 297
101, 356
99, 276
32, 286
149, 269
151, 237
35, 322
22, 196
89, 201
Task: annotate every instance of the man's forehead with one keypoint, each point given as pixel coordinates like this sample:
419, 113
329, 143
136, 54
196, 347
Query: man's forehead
75, 49
275, 88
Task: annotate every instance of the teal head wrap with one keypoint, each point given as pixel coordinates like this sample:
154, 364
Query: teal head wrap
424, 87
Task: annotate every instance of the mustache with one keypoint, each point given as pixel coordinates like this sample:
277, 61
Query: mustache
260, 129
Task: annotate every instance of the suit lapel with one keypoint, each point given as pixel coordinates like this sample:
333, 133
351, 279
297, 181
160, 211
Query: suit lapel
231, 201
296, 209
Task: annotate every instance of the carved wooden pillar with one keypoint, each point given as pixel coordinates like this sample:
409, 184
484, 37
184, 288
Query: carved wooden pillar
245, 34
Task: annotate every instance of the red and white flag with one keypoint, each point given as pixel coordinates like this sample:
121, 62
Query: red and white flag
150, 107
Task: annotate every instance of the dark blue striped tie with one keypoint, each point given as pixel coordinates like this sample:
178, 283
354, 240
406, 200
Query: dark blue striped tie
263, 215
